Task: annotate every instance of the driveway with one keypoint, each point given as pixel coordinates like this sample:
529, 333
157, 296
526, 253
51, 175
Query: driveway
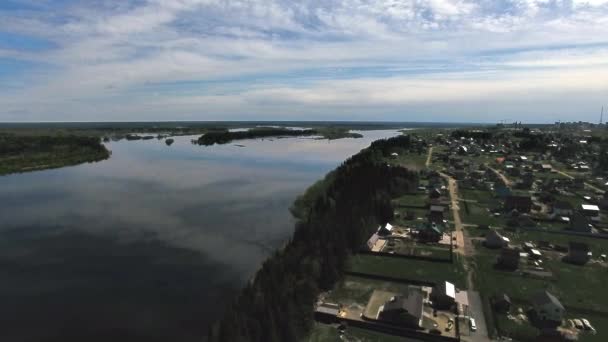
476, 311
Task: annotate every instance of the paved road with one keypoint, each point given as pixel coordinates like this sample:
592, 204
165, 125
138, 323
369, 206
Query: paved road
476, 311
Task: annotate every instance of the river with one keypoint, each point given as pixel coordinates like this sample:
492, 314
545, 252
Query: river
152, 243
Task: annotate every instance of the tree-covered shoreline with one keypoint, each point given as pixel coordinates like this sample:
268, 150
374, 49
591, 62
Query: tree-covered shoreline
334, 217
224, 136
24, 153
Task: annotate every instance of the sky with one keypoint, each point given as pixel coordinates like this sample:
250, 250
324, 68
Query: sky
379, 60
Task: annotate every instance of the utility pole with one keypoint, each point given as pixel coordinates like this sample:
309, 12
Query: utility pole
602, 116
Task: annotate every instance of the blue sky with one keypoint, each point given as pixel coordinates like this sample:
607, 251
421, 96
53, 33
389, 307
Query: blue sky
418, 60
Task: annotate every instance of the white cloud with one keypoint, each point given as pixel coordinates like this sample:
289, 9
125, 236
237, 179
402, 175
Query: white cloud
255, 56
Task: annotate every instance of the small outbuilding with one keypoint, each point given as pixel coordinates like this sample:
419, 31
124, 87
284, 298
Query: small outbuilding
443, 295
495, 240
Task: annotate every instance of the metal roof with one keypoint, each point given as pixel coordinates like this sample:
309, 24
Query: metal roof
590, 207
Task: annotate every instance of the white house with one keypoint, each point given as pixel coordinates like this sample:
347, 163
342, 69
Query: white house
592, 211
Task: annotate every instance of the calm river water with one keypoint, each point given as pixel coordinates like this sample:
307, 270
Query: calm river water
151, 244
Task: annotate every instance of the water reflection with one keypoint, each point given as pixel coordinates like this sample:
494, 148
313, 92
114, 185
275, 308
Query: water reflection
150, 244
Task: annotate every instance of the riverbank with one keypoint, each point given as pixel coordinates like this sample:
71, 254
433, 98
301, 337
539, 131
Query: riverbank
19, 153
334, 217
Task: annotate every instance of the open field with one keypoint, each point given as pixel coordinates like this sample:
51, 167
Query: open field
581, 289
409, 269
411, 200
329, 333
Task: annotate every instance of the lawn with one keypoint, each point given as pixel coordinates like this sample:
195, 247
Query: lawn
329, 333
408, 247
481, 196
412, 200
358, 290
598, 246
411, 160
579, 288
410, 269
478, 213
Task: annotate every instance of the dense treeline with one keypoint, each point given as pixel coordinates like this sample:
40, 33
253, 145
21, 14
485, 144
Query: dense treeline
26, 153
225, 136
334, 218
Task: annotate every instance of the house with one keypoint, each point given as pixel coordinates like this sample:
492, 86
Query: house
495, 240
434, 194
521, 203
430, 232
546, 167
327, 313
562, 208
402, 310
436, 213
578, 253
548, 308
443, 295
580, 223
372, 241
591, 210
501, 303
385, 230
508, 259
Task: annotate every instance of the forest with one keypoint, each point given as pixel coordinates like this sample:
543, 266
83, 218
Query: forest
224, 136
334, 218
22, 153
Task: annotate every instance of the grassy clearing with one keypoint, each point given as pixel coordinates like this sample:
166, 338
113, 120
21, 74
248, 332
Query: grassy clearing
478, 213
358, 290
413, 161
328, 333
407, 247
482, 196
579, 288
598, 246
411, 200
409, 269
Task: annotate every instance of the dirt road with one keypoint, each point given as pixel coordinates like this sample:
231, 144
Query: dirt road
592, 187
502, 176
428, 158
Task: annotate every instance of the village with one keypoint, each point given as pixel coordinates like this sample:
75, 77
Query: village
506, 238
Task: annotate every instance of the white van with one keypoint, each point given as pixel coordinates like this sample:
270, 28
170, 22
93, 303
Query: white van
472, 324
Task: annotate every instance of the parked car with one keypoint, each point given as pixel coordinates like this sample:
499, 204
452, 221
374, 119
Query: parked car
587, 325
472, 324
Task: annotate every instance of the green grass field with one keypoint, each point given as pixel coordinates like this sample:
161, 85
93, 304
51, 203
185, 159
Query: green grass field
358, 290
410, 269
577, 287
328, 333
413, 200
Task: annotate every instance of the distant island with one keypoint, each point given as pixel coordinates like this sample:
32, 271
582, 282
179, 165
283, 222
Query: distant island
224, 136
28, 147
23, 153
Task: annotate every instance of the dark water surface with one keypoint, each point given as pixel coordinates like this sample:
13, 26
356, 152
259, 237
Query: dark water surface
152, 243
